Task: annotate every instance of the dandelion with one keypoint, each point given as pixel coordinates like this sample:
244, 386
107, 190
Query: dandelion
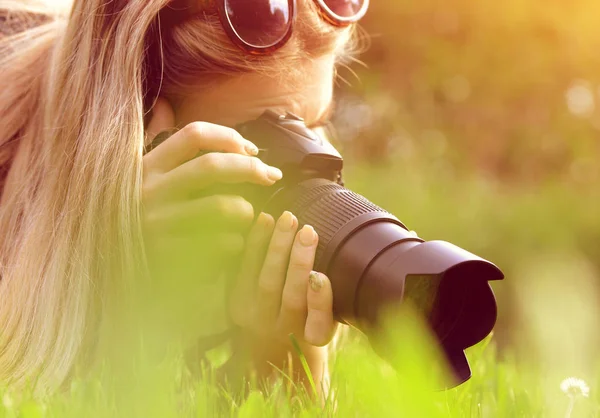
574, 388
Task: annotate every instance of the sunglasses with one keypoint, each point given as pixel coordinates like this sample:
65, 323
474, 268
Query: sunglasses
262, 26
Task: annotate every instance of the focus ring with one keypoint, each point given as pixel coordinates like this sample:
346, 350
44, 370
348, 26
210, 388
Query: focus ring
325, 205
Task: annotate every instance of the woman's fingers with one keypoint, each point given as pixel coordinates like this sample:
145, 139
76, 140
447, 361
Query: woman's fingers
210, 169
273, 273
320, 325
292, 315
242, 301
289, 297
195, 137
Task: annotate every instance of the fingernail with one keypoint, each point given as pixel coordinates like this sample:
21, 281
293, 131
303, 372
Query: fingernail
274, 173
287, 222
264, 219
308, 236
315, 280
251, 149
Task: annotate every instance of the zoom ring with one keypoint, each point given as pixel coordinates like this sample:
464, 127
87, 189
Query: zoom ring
327, 206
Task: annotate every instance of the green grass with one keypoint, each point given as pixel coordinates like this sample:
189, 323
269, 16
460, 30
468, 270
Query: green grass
546, 240
363, 385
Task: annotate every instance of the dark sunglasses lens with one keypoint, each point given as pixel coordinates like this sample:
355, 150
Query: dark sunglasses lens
259, 23
345, 8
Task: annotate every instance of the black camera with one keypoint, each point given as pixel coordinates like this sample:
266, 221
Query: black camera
370, 257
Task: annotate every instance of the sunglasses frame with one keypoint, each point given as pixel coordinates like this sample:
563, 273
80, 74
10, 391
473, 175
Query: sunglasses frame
218, 7
328, 15
253, 49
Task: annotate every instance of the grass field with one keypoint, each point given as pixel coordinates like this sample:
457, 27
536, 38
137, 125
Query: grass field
543, 239
363, 386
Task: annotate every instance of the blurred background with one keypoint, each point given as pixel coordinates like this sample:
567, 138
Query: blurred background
478, 123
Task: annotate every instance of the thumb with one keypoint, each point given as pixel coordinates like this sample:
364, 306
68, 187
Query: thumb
163, 119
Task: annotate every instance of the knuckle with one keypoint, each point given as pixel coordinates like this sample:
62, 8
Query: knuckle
195, 130
300, 263
223, 204
269, 287
233, 136
256, 166
246, 210
241, 202
274, 266
279, 247
211, 162
234, 206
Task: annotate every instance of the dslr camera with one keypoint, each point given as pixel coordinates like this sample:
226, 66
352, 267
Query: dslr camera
372, 259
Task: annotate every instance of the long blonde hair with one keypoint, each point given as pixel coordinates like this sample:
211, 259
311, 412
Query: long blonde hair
74, 93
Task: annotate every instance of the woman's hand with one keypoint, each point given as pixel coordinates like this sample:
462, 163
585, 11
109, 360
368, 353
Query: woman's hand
277, 293
188, 231
191, 235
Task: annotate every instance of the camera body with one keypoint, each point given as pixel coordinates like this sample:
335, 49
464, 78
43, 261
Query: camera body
310, 164
296, 149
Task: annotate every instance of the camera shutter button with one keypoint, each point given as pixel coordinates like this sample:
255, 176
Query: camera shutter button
293, 116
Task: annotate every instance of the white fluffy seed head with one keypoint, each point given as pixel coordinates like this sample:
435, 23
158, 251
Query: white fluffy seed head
573, 386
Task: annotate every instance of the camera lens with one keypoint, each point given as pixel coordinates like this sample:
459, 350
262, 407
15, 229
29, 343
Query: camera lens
375, 263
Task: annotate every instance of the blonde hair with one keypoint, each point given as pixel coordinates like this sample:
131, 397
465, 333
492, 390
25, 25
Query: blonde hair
74, 93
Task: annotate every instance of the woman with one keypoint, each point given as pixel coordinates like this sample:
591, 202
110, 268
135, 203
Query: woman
106, 235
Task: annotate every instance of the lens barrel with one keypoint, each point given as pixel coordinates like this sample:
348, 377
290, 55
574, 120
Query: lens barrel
368, 254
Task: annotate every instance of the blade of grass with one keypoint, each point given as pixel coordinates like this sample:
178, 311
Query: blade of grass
304, 364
